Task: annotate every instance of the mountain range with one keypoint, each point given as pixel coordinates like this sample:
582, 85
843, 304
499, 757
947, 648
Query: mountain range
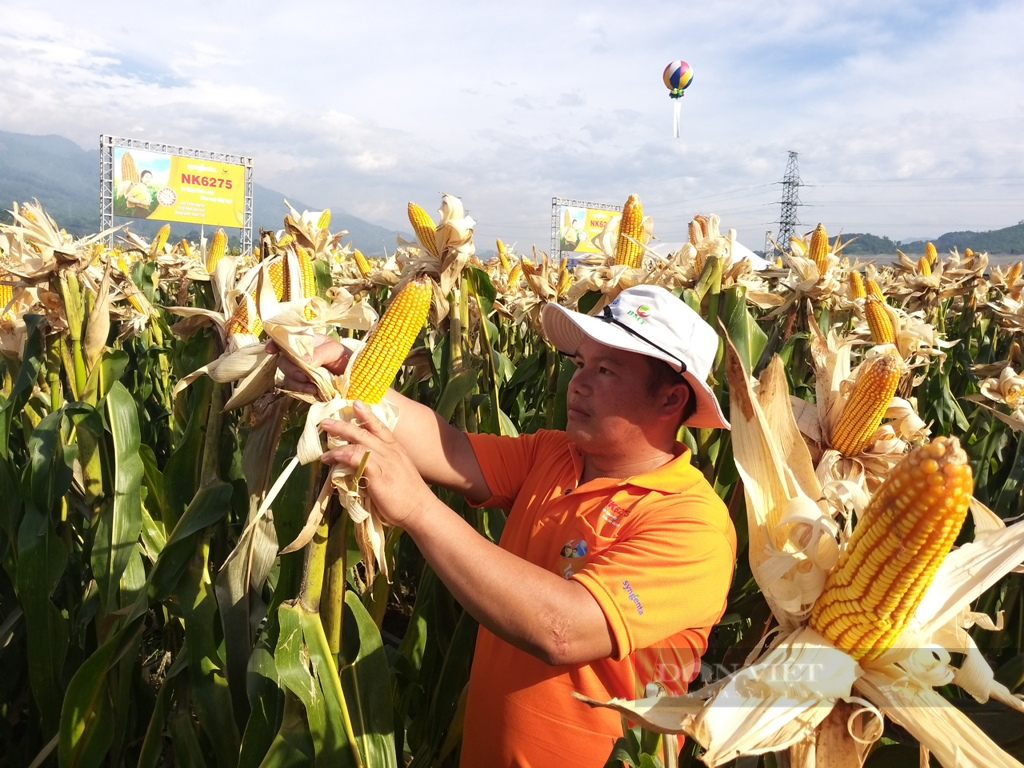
65, 179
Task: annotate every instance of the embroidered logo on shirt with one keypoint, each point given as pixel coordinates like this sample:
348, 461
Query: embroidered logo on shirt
634, 598
613, 514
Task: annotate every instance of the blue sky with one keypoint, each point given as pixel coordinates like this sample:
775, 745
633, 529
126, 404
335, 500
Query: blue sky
906, 117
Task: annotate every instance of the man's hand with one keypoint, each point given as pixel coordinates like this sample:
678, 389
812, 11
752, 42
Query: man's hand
390, 477
327, 353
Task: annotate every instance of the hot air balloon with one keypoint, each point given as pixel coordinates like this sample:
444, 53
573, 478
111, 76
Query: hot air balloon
677, 76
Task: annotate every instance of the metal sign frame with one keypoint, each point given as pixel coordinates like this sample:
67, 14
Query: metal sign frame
107, 144
556, 205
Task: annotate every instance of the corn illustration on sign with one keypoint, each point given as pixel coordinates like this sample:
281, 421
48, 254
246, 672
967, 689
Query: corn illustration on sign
168, 187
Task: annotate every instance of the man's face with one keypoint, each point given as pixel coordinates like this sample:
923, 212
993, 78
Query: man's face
608, 401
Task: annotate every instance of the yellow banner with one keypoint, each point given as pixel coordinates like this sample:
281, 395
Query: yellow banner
154, 185
578, 227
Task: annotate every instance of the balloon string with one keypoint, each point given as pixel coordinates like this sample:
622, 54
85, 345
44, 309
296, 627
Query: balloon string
675, 118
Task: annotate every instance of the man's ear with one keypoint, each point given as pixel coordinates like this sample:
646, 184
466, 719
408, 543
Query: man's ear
677, 396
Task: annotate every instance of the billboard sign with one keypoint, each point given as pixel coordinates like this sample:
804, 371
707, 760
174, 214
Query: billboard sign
168, 187
575, 224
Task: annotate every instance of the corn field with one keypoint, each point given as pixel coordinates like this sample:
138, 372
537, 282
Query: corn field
183, 585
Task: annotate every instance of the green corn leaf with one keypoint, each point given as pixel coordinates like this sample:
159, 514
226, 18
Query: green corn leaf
120, 520
455, 392
86, 725
208, 507
452, 679
307, 669
743, 330
268, 712
209, 693
24, 382
292, 746
186, 747
87, 718
42, 559
152, 742
369, 702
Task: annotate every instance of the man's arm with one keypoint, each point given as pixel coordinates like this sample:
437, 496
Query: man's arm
554, 619
442, 454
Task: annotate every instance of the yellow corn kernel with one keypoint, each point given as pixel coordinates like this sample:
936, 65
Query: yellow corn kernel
389, 341
6, 292
160, 240
857, 290
924, 267
564, 281
631, 225
307, 276
503, 257
873, 289
215, 252
514, 274
325, 219
819, 249
275, 270
882, 331
930, 253
244, 321
898, 544
872, 391
361, 263
186, 248
424, 227
128, 170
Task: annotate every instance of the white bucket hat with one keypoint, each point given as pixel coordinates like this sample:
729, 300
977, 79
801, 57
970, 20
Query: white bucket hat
648, 320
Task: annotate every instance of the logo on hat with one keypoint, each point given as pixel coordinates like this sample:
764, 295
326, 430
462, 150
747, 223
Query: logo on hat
640, 314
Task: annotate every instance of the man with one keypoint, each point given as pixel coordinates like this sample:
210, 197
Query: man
617, 555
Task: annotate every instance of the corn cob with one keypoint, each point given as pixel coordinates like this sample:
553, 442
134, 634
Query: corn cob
819, 249
930, 253
275, 270
564, 281
160, 240
857, 290
239, 322
307, 277
361, 263
325, 219
128, 170
424, 227
924, 267
872, 391
899, 542
968, 256
6, 292
218, 245
882, 331
873, 289
631, 225
503, 257
389, 342
514, 274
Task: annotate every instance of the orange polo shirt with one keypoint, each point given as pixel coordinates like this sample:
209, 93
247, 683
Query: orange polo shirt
656, 551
